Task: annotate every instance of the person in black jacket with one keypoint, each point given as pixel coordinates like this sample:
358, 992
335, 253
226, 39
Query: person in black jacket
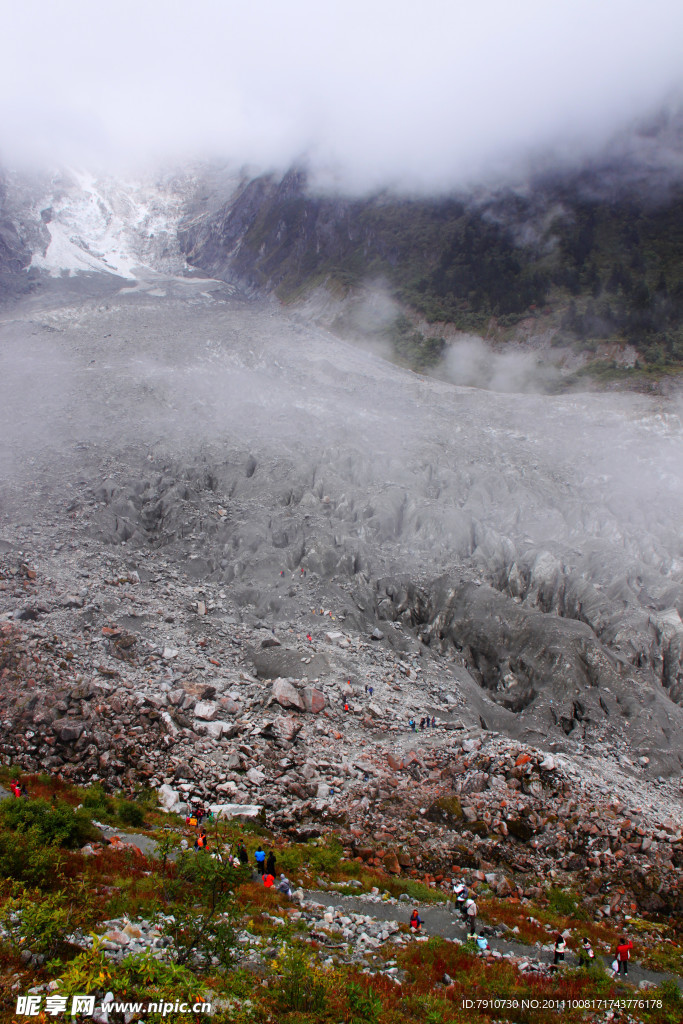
560, 947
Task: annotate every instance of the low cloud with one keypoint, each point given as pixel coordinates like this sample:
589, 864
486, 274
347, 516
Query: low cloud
471, 362
372, 93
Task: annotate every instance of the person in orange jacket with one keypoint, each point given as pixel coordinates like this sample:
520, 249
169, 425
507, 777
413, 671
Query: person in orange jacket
623, 955
202, 841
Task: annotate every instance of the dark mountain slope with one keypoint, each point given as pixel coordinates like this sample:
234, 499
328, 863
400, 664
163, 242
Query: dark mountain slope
15, 253
604, 261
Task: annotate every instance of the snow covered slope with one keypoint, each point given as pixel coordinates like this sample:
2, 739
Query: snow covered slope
111, 226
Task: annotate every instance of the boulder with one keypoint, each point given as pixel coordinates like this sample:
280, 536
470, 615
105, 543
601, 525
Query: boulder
247, 812
314, 699
168, 797
287, 696
391, 864
206, 710
70, 733
286, 728
230, 706
216, 729
284, 663
255, 776
170, 725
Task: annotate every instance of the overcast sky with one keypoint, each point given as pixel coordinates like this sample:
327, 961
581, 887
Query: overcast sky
431, 92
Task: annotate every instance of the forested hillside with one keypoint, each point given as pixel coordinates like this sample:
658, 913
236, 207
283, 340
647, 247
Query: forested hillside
607, 264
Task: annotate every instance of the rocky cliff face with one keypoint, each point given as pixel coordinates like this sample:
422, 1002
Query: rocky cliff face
15, 247
583, 258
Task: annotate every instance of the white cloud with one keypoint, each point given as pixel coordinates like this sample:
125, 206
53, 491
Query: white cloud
427, 93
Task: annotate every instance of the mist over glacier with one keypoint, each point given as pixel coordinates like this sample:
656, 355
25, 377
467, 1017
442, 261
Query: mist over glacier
534, 537
371, 94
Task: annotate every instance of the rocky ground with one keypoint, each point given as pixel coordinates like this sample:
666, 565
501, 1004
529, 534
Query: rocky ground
220, 527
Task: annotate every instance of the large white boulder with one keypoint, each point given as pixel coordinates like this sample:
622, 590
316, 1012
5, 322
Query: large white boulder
246, 811
169, 798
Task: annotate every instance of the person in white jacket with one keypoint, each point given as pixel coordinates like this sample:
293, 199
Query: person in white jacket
472, 910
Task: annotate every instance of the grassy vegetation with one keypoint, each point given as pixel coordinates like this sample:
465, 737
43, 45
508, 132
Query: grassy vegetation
202, 904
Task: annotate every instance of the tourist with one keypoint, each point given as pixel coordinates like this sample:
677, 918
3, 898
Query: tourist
471, 909
623, 955
260, 858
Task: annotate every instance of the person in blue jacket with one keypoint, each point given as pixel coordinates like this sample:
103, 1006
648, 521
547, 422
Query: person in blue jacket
260, 859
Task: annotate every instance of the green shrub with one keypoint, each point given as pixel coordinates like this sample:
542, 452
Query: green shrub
140, 975
671, 993
327, 857
562, 902
130, 813
55, 824
290, 858
364, 1004
35, 922
98, 803
302, 987
29, 860
201, 912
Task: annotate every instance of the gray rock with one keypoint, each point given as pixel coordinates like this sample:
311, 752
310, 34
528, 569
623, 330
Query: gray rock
255, 776
206, 710
287, 696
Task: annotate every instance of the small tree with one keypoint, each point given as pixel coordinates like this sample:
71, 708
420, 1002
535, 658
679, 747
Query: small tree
200, 910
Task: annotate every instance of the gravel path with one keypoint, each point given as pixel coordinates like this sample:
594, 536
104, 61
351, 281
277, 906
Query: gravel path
439, 919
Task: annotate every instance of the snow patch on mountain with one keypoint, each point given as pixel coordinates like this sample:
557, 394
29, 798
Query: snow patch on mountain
104, 225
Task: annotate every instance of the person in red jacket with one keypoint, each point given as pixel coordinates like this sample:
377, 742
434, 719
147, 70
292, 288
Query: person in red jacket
623, 955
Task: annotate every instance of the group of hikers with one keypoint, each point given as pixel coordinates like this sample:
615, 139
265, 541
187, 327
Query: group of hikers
197, 814
265, 867
466, 905
425, 723
238, 857
586, 955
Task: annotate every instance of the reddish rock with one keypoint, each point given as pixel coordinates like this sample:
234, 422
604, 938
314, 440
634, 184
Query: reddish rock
286, 728
287, 695
390, 862
314, 699
394, 763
